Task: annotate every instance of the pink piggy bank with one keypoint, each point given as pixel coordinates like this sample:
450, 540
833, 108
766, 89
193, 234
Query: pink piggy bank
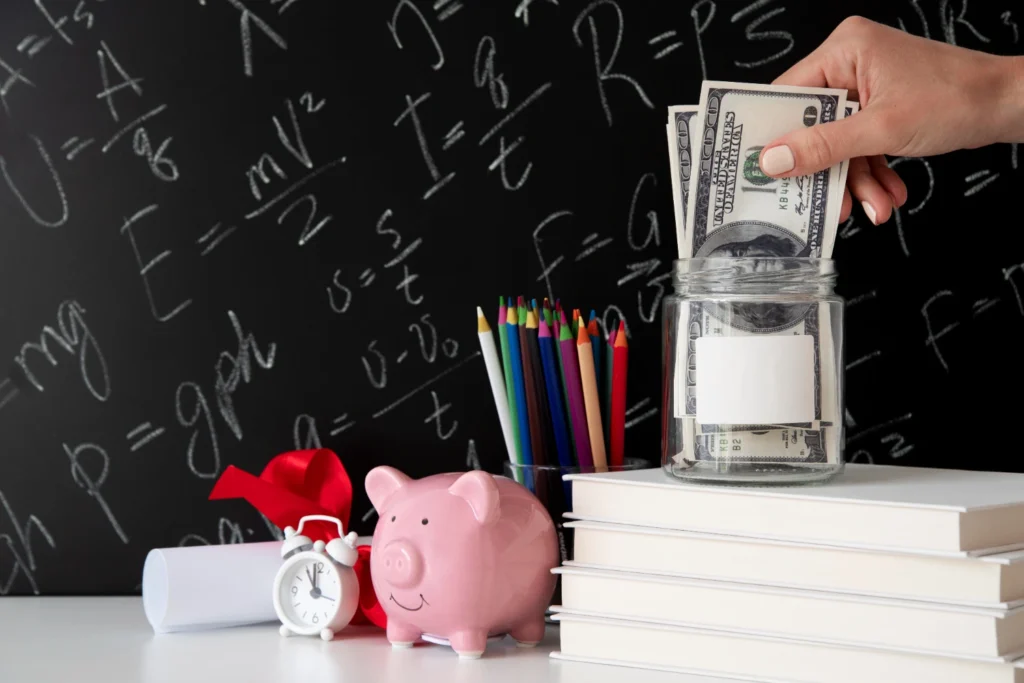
460, 557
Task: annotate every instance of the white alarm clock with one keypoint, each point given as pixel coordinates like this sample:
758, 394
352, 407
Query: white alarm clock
316, 590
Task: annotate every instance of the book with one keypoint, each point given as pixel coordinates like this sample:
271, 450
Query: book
993, 581
764, 658
868, 506
801, 614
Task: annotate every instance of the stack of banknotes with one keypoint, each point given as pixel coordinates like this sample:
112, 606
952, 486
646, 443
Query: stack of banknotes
725, 206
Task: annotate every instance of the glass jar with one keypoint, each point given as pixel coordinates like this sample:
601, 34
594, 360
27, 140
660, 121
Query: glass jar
753, 371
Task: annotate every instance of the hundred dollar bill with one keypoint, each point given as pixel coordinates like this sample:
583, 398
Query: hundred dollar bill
744, 319
832, 227
776, 445
734, 209
680, 128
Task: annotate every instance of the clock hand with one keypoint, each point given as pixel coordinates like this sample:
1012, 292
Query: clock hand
312, 581
326, 598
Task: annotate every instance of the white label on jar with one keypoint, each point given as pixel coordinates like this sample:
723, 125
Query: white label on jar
755, 380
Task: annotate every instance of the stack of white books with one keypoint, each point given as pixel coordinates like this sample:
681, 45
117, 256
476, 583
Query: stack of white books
883, 575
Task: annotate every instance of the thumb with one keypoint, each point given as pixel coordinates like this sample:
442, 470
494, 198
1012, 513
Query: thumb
822, 146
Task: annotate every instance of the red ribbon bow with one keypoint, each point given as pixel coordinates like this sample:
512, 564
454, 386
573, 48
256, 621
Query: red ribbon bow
308, 482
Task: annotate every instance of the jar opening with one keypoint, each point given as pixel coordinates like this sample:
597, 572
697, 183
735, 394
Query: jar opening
787, 273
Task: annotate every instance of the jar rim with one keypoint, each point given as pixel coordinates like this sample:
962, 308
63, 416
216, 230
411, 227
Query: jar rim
752, 271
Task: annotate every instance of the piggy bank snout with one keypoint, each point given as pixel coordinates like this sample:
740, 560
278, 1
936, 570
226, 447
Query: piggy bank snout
402, 564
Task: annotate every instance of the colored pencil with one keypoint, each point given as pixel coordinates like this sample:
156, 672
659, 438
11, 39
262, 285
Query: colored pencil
571, 367
618, 429
606, 393
496, 377
516, 361
555, 404
595, 345
556, 335
529, 381
546, 427
510, 391
591, 401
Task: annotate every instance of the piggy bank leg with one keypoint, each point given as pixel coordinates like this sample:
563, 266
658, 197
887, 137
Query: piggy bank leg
469, 644
402, 635
530, 633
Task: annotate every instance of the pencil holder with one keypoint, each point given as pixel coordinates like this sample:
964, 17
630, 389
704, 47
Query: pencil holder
753, 371
555, 494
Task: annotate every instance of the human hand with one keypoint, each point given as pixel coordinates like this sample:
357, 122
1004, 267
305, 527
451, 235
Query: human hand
918, 97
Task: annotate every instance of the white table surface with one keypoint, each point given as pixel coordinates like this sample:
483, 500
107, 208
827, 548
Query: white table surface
108, 640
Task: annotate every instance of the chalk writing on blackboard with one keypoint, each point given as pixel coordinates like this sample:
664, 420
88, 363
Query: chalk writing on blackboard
435, 175
700, 25
92, 484
24, 559
863, 359
603, 71
983, 304
754, 35
934, 337
866, 296
1008, 276
436, 417
73, 336
57, 186
898, 212
248, 18
145, 267
341, 424
213, 237
142, 435
1008, 21
393, 27
663, 52
949, 20
874, 429
636, 414
8, 392
377, 367
198, 407
986, 178
304, 433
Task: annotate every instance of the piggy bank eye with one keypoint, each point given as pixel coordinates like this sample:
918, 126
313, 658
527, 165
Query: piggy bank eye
392, 518
424, 522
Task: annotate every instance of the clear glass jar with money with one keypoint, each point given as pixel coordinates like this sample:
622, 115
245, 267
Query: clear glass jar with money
753, 371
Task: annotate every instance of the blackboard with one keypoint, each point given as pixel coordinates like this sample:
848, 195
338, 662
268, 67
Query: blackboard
231, 228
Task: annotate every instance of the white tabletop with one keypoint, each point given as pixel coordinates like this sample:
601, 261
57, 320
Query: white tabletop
108, 640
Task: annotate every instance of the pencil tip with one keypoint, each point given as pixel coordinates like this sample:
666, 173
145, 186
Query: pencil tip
583, 338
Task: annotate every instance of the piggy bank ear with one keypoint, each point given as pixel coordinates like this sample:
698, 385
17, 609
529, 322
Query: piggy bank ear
381, 483
479, 490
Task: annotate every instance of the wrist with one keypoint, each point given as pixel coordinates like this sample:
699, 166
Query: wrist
1009, 103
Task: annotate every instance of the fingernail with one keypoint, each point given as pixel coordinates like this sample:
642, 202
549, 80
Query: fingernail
871, 213
778, 160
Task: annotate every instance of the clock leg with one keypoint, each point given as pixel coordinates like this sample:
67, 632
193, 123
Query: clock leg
285, 631
327, 634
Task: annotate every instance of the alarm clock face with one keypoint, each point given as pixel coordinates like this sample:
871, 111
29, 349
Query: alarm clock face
309, 592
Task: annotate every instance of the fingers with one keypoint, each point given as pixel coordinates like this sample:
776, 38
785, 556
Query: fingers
874, 199
847, 207
812, 149
889, 180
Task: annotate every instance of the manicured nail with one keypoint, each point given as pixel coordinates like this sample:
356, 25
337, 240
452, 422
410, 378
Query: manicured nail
871, 213
778, 160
